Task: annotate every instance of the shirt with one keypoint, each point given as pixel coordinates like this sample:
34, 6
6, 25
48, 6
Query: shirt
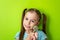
41, 35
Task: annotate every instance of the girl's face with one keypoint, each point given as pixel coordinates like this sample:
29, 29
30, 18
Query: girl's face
30, 20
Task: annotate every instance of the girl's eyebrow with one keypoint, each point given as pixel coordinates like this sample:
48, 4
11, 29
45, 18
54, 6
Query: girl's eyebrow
31, 19
34, 19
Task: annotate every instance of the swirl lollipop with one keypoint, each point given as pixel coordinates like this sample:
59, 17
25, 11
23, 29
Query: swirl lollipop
35, 28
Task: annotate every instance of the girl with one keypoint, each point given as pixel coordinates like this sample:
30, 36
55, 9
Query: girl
30, 18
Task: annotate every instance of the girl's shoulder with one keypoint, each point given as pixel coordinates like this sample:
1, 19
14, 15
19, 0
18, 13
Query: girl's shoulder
17, 35
40, 32
41, 35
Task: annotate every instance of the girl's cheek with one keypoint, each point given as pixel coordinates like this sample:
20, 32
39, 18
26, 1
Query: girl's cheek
33, 24
24, 21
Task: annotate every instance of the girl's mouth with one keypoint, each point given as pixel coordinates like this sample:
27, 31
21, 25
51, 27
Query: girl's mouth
27, 26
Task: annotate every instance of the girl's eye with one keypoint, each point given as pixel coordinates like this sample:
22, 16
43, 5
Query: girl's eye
33, 21
26, 18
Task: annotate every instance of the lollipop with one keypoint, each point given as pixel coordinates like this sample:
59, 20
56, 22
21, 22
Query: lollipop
35, 28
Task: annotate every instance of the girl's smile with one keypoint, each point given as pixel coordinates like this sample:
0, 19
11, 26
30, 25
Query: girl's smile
27, 26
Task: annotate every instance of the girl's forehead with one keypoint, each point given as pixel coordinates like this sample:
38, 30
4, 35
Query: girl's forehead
32, 15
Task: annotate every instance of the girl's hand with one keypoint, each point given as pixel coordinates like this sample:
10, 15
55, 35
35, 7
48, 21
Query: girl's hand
32, 36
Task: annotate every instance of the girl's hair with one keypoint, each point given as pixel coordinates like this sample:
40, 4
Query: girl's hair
40, 16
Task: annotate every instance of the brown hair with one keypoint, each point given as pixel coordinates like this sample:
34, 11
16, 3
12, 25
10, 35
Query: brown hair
39, 14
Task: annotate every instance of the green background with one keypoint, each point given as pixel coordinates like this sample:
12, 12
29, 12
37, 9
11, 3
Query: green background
11, 12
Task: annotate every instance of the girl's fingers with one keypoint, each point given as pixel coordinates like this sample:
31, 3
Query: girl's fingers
36, 34
33, 36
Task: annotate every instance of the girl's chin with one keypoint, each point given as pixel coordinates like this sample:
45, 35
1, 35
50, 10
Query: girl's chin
27, 29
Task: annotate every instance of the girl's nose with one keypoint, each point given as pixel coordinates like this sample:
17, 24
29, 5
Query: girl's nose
28, 23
